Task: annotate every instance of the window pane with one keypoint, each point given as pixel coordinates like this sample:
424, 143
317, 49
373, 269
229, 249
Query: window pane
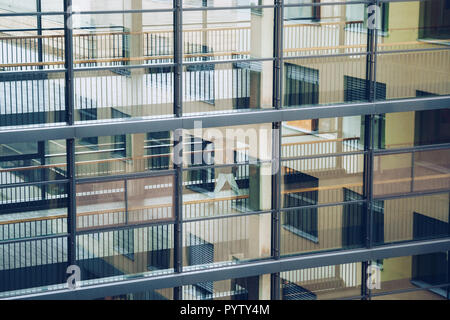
228, 34
158, 294
327, 80
225, 241
392, 174
212, 88
122, 39
31, 264
33, 202
406, 172
120, 253
321, 180
412, 272
246, 144
409, 21
319, 30
107, 204
323, 228
231, 289
33, 199
412, 295
102, 5
100, 204
229, 170
31, 99
322, 136
120, 154
322, 283
224, 3
414, 74
416, 218
150, 199
408, 129
227, 190
123, 94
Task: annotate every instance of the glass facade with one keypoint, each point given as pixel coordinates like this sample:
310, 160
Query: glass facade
288, 150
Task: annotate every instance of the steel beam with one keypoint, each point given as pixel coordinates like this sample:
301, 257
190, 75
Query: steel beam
244, 270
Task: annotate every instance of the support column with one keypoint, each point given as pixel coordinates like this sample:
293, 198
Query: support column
261, 47
134, 50
276, 144
39, 31
134, 104
261, 194
178, 144
71, 208
368, 156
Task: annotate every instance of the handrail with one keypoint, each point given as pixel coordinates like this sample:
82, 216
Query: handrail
106, 60
208, 54
316, 24
79, 35
93, 213
184, 30
319, 141
109, 160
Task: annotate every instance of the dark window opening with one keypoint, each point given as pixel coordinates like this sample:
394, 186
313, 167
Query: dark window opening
433, 20
302, 222
201, 252
200, 180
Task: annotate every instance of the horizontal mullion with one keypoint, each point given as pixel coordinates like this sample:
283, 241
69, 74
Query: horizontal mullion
228, 165
106, 68
263, 266
226, 216
31, 184
130, 226
378, 294
35, 238
111, 128
387, 1
48, 13
41, 71
327, 155
319, 4
268, 6
440, 146
128, 176
410, 194
328, 55
213, 62
413, 50
323, 205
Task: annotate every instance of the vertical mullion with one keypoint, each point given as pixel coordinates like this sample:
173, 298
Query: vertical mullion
39, 31
43, 172
68, 62
178, 144
71, 209
275, 282
368, 147
70, 143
